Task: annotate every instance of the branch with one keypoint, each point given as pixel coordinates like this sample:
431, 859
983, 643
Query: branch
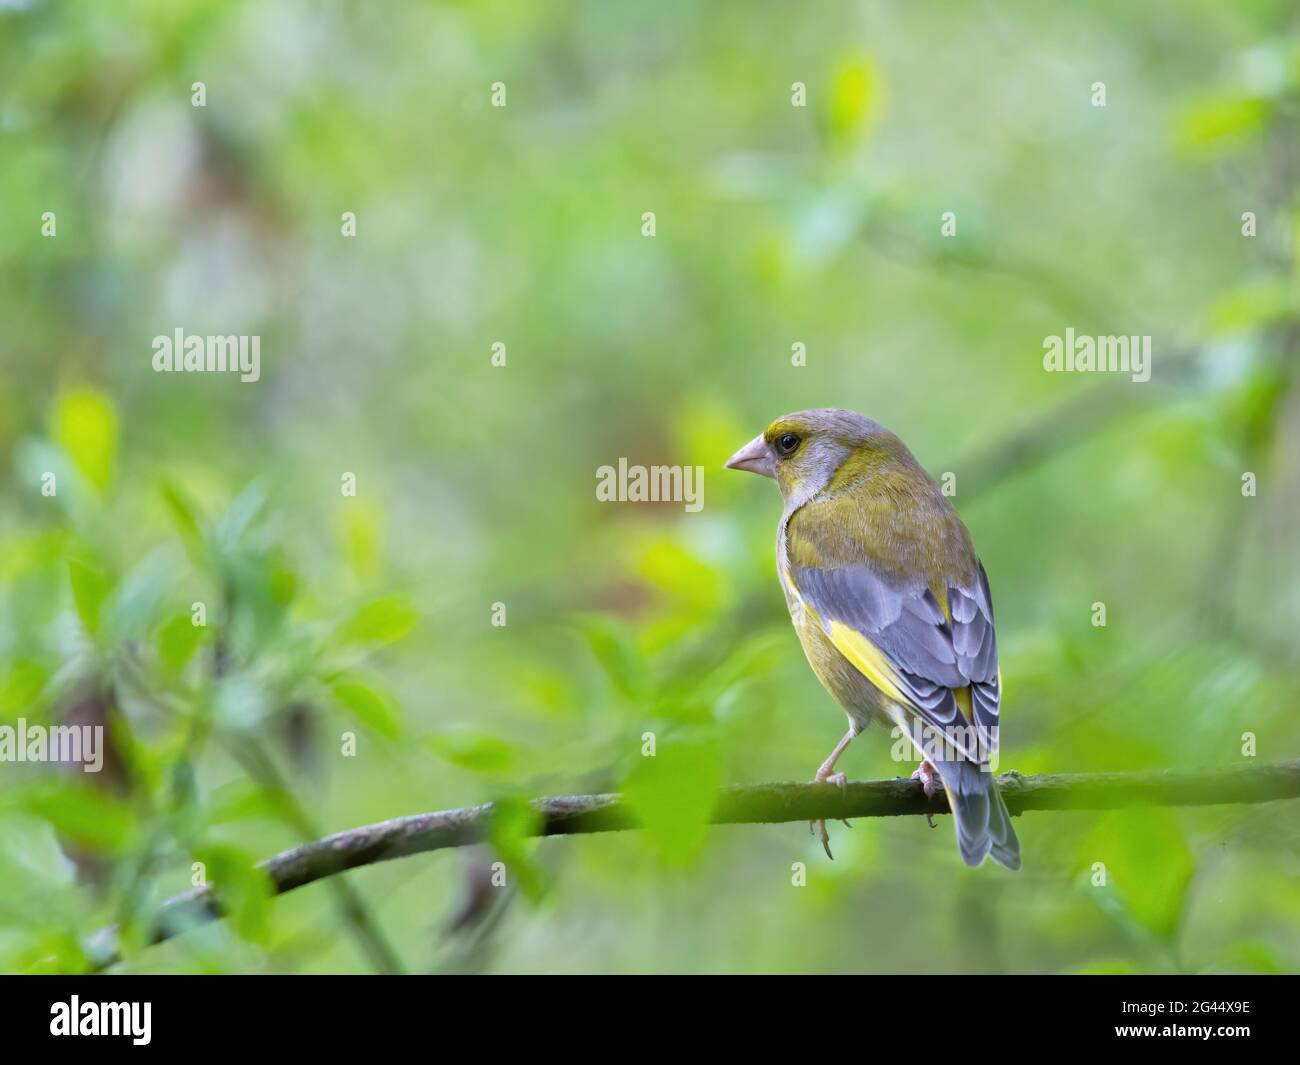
737, 805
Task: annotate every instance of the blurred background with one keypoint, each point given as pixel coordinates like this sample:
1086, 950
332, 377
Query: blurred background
371, 614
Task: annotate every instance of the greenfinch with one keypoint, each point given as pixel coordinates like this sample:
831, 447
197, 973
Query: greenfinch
892, 607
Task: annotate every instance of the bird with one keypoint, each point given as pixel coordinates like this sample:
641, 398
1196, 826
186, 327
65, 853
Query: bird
892, 606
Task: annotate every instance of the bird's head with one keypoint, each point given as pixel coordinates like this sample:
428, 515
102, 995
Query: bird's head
812, 450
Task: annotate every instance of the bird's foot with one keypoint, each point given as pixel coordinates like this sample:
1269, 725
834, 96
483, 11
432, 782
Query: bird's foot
926, 776
825, 776
838, 779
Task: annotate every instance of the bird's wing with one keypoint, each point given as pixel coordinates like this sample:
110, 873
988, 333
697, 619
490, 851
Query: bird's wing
923, 654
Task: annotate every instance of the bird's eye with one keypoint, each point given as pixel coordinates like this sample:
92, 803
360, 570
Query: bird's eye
787, 442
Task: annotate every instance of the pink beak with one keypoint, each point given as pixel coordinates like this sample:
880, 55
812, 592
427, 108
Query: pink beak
756, 457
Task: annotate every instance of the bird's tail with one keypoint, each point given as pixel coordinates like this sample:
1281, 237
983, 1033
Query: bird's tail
983, 824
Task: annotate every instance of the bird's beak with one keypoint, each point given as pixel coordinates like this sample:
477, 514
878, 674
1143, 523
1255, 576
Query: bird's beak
756, 457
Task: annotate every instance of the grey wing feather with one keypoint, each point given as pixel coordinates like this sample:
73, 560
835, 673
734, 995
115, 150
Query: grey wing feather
932, 654
975, 643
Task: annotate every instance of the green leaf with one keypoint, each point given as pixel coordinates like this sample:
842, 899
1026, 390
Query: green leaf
1148, 865
1250, 306
141, 593
1221, 121
20, 686
857, 98
239, 800
511, 829
177, 641
361, 537
376, 710
281, 581
666, 564
673, 794
184, 515
90, 587
240, 517
476, 751
85, 426
1259, 956
612, 645
52, 951
245, 889
80, 811
381, 621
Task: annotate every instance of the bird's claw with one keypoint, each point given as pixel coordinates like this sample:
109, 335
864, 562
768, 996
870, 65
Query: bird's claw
826, 840
841, 782
814, 827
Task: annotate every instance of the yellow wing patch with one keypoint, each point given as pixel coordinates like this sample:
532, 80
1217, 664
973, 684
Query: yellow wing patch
962, 695
868, 659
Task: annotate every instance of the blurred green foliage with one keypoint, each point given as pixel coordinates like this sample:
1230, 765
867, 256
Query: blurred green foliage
368, 620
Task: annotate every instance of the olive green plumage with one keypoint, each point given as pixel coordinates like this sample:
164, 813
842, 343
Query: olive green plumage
891, 604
